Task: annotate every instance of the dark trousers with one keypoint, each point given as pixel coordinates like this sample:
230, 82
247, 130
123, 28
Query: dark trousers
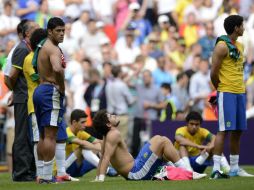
22, 151
138, 125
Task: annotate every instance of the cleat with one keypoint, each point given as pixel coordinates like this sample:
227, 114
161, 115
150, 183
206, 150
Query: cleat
241, 173
65, 178
219, 175
46, 181
112, 172
196, 175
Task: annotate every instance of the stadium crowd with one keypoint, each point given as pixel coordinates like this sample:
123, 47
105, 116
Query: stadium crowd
143, 60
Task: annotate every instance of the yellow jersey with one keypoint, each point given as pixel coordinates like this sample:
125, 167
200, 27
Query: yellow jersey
231, 73
82, 135
32, 80
199, 138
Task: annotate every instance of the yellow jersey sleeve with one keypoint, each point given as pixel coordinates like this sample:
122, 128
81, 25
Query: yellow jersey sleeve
83, 135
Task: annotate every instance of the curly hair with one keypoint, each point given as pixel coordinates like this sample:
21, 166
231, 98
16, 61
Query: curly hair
100, 121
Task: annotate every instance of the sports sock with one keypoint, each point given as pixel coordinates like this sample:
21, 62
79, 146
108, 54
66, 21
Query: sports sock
48, 169
202, 158
91, 157
224, 164
186, 163
72, 158
181, 163
234, 159
60, 159
36, 160
216, 162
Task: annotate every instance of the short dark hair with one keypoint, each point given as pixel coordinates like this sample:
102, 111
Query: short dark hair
77, 114
193, 115
180, 76
21, 25
231, 22
100, 121
166, 85
55, 22
37, 36
116, 70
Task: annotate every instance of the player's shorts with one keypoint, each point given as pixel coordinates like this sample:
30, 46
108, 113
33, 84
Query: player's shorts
49, 109
76, 170
199, 168
33, 128
231, 111
145, 165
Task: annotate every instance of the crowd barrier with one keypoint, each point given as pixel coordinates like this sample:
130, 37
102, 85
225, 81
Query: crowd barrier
247, 141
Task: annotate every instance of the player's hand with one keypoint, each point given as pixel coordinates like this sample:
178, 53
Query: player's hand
10, 100
97, 179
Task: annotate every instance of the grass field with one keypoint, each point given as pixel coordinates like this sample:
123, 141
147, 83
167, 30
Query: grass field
236, 183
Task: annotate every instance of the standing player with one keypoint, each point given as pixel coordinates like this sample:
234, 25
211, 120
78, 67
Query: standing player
32, 80
227, 78
48, 102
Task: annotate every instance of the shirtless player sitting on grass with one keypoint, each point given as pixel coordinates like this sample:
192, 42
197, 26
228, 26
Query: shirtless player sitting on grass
114, 151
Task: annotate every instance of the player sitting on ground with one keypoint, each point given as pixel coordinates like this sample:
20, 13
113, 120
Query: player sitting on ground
114, 150
79, 145
195, 144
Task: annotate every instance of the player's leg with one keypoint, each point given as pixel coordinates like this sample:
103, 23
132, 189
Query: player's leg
185, 157
164, 148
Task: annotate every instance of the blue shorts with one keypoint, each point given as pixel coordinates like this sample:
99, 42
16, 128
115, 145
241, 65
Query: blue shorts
145, 165
76, 170
231, 111
49, 109
199, 168
33, 128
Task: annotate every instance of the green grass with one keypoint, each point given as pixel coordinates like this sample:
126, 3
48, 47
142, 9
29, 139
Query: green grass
236, 183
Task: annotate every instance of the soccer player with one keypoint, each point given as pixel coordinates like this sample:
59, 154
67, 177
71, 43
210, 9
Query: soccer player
227, 78
48, 103
114, 150
195, 144
81, 159
32, 80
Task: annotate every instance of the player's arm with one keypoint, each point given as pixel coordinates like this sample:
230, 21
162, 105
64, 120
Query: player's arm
211, 139
111, 141
86, 145
186, 142
219, 53
55, 60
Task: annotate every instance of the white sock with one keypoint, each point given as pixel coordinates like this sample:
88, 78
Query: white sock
216, 162
60, 159
202, 158
181, 164
72, 158
48, 169
234, 159
90, 157
187, 164
39, 168
36, 159
224, 164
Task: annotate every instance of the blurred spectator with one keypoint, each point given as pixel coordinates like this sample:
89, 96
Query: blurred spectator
121, 12
8, 24
179, 90
90, 41
167, 30
119, 99
160, 75
73, 8
80, 25
149, 102
207, 42
210, 9
142, 26
170, 102
200, 86
245, 7
166, 7
42, 16
126, 48
27, 9
195, 51
57, 7
95, 94
250, 90
195, 9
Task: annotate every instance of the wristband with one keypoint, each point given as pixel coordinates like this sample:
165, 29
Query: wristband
101, 177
